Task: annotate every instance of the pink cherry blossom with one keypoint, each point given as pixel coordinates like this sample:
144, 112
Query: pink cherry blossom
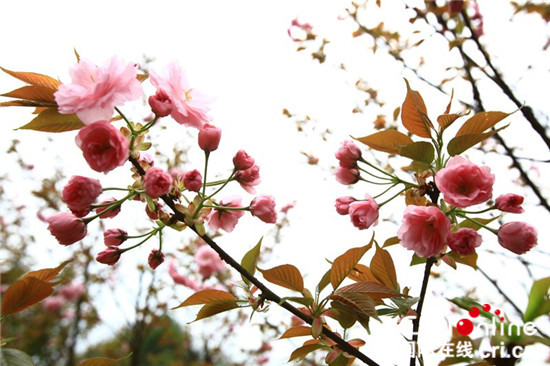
157, 182
192, 180
347, 176
242, 160
209, 137
80, 193
155, 259
105, 212
464, 241
72, 291
208, 261
263, 207
54, 303
179, 278
342, 204
348, 154
190, 106
518, 237
103, 146
114, 237
161, 104
225, 219
109, 256
364, 213
249, 178
425, 229
463, 183
96, 91
66, 228
509, 202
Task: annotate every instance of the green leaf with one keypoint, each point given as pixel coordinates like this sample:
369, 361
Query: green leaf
49, 120
250, 260
391, 241
306, 301
344, 264
286, 275
301, 352
214, 308
481, 220
14, 357
390, 141
325, 280
419, 151
359, 302
461, 143
539, 302
344, 314
414, 114
417, 260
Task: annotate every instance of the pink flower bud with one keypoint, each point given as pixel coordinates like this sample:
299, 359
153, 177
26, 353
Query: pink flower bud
114, 237
425, 229
107, 213
157, 182
242, 160
347, 176
509, 202
109, 256
348, 154
155, 259
363, 214
161, 104
518, 237
103, 146
192, 180
342, 204
209, 137
263, 207
66, 228
463, 183
464, 241
249, 178
80, 193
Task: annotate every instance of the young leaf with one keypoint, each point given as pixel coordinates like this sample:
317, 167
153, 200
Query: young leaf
47, 274
383, 269
362, 273
23, 293
414, 114
445, 120
49, 120
539, 302
297, 331
325, 280
468, 260
391, 241
301, 352
344, 314
481, 122
481, 220
14, 357
372, 289
34, 79
33, 92
206, 297
359, 302
420, 151
250, 260
344, 264
286, 275
459, 144
390, 141
214, 308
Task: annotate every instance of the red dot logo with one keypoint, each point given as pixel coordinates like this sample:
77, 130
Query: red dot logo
464, 326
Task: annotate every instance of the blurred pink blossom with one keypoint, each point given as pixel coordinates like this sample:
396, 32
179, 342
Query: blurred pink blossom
208, 261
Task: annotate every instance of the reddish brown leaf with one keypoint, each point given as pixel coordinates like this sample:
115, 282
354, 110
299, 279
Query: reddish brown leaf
344, 264
47, 274
286, 275
34, 79
26, 103
375, 290
207, 296
49, 120
214, 308
297, 331
481, 122
361, 273
23, 293
445, 120
390, 141
459, 144
360, 302
414, 114
301, 352
383, 269
32, 92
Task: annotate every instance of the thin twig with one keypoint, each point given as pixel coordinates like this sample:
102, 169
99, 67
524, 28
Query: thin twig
416, 321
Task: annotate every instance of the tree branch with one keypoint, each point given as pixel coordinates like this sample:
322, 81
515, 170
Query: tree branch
416, 321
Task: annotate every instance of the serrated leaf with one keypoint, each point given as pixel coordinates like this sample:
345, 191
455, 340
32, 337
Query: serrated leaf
414, 114
214, 308
459, 144
286, 275
301, 352
14, 357
344, 264
250, 260
539, 302
372, 289
49, 120
389, 141
481, 122
360, 273
420, 151
34, 79
23, 293
297, 331
32, 92
383, 269
47, 274
205, 297
359, 302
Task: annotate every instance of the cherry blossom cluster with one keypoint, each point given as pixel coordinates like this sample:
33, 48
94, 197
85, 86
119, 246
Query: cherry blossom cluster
94, 96
427, 228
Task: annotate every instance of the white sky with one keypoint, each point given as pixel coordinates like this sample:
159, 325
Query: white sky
239, 53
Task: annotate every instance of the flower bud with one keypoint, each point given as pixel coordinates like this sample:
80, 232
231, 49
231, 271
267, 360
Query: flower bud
342, 204
161, 104
347, 176
509, 202
109, 256
192, 180
157, 182
518, 237
114, 237
66, 228
155, 259
209, 137
105, 212
80, 193
263, 207
242, 160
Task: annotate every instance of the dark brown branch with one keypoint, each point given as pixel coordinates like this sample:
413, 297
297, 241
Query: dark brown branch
266, 293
